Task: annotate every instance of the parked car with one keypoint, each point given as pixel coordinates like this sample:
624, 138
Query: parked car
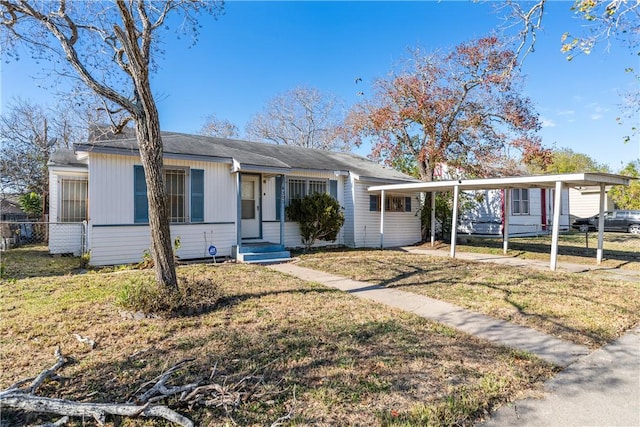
625, 221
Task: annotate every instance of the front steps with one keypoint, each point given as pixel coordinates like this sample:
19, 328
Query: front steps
261, 253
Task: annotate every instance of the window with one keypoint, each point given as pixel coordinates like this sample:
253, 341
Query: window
73, 200
298, 188
520, 201
174, 181
392, 203
178, 188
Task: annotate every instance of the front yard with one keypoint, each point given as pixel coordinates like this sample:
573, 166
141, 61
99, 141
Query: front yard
584, 308
332, 358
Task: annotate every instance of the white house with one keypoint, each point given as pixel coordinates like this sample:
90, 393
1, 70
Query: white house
530, 211
224, 193
585, 201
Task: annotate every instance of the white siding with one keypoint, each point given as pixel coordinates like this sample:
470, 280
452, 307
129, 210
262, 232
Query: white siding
64, 238
400, 228
111, 189
127, 244
585, 203
485, 216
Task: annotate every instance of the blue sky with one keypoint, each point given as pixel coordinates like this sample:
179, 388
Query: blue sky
257, 50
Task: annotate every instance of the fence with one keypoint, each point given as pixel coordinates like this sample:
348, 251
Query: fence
68, 238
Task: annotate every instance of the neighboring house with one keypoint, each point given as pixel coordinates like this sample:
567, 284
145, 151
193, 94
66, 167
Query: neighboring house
10, 210
227, 193
585, 202
531, 212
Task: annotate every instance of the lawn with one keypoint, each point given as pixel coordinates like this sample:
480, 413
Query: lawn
333, 358
621, 250
582, 308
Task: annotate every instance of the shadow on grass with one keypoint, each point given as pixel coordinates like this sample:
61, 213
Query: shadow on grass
541, 306
342, 373
523, 247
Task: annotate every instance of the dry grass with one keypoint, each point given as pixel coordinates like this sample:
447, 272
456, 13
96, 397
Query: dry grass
621, 250
581, 308
351, 362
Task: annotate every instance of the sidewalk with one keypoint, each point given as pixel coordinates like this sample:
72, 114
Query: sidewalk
554, 350
598, 389
602, 389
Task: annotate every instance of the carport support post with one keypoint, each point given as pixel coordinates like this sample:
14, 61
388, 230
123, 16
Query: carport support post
505, 228
601, 225
382, 219
454, 220
557, 200
433, 218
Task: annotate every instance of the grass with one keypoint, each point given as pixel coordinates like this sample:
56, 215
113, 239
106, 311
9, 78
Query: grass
582, 308
350, 362
621, 250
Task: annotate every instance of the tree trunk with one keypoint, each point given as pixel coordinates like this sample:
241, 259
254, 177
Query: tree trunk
150, 144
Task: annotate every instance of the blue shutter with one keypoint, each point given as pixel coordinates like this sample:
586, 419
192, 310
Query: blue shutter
278, 192
333, 188
373, 202
407, 204
197, 195
140, 202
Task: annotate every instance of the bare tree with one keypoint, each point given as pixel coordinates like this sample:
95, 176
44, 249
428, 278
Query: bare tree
110, 48
304, 117
220, 128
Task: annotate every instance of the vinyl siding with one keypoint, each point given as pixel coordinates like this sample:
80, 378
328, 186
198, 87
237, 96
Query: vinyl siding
586, 203
400, 228
127, 244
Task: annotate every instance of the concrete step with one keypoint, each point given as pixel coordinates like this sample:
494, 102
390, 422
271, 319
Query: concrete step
263, 256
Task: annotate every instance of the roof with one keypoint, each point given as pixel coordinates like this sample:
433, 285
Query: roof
533, 181
63, 157
10, 205
254, 156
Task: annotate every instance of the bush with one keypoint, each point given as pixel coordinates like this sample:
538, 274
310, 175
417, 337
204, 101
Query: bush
319, 215
196, 294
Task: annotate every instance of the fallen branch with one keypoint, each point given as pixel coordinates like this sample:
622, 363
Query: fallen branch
98, 411
227, 396
24, 398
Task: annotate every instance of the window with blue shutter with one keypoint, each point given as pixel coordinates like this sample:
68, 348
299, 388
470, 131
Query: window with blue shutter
140, 203
278, 192
333, 188
197, 195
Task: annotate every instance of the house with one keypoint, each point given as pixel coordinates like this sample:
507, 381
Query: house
585, 201
530, 211
227, 197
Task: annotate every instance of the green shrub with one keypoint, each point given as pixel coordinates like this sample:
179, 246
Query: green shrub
319, 215
196, 294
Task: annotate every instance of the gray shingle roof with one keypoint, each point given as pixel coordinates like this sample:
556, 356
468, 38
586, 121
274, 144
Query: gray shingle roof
255, 154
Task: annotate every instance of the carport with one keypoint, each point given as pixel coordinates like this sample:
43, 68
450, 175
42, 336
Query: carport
557, 182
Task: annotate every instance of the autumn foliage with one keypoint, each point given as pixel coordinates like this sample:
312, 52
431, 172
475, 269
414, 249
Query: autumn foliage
463, 108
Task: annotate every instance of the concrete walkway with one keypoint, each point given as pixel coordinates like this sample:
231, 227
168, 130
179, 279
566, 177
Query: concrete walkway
554, 350
598, 389
602, 389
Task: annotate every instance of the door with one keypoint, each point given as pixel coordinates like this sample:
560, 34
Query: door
250, 207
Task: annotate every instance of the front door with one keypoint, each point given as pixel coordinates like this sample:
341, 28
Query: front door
250, 208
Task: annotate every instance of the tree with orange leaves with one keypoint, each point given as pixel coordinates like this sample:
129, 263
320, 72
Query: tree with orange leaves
464, 109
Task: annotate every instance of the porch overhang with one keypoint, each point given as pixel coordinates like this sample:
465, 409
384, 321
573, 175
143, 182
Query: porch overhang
559, 182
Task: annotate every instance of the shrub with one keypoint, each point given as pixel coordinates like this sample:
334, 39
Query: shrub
319, 215
196, 294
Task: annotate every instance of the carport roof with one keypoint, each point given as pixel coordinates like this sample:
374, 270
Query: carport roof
533, 181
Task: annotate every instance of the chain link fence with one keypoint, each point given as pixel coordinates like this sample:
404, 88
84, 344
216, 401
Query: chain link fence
65, 239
